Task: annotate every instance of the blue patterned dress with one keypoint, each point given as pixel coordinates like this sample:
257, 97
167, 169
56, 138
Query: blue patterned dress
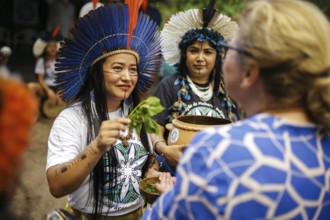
258, 168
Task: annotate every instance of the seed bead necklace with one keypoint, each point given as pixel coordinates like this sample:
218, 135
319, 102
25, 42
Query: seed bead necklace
205, 94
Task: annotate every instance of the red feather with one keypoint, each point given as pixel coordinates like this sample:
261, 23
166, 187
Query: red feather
144, 6
133, 7
94, 3
55, 32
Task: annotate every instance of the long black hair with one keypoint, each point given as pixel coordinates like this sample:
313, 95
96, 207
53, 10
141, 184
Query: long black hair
95, 87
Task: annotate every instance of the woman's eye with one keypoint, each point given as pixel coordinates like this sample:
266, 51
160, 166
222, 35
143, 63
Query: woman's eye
117, 68
209, 52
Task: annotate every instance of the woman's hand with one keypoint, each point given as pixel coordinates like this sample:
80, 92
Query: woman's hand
59, 101
166, 182
153, 167
172, 153
109, 132
153, 173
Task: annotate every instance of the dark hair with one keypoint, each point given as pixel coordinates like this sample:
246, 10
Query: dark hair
95, 83
216, 76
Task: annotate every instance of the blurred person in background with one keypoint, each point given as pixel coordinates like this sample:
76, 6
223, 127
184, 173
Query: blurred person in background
5, 53
61, 14
87, 7
275, 164
45, 49
5, 71
18, 109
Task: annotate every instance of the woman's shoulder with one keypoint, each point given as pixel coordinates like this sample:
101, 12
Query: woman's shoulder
169, 83
71, 112
170, 79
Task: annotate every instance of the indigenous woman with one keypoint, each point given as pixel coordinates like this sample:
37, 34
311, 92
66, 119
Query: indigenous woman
45, 49
191, 40
102, 69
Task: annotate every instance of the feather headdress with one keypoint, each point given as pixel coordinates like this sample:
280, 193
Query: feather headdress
117, 28
195, 24
41, 43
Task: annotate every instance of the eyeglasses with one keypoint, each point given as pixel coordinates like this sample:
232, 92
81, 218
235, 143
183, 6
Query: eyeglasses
239, 50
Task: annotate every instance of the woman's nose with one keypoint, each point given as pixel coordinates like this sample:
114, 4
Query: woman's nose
125, 73
200, 57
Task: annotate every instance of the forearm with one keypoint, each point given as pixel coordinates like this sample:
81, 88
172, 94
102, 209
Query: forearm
65, 178
44, 86
158, 141
170, 153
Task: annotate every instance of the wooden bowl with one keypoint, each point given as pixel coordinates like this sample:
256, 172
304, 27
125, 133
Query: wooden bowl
146, 185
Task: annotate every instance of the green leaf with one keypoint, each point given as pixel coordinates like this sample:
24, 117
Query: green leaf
143, 114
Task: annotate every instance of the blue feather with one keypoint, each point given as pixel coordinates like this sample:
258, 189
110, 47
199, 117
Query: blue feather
101, 31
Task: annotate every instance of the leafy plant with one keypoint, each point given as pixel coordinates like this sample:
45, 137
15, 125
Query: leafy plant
143, 114
151, 188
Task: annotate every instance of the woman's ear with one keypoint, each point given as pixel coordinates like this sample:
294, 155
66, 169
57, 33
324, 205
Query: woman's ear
251, 75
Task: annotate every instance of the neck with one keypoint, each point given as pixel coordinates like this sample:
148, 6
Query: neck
200, 79
294, 114
113, 106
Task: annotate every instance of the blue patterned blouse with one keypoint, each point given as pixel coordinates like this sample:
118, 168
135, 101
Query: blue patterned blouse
258, 168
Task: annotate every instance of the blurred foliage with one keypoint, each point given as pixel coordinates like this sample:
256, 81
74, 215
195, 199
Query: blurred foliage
227, 7
324, 5
170, 7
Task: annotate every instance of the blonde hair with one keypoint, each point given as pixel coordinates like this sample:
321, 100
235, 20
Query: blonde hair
290, 42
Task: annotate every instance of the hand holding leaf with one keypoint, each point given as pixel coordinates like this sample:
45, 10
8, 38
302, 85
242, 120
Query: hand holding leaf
143, 113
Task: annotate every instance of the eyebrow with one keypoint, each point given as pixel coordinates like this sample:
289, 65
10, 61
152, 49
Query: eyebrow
203, 48
121, 63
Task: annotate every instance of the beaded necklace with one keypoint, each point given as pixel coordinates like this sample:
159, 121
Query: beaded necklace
205, 94
183, 95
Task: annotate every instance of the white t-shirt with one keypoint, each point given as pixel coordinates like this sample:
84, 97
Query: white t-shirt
68, 138
47, 69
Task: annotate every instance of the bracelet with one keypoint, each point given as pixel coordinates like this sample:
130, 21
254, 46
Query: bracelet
155, 145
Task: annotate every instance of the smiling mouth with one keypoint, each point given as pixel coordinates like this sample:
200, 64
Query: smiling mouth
125, 88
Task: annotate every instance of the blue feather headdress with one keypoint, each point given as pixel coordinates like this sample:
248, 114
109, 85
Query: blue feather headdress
195, 24
102, 33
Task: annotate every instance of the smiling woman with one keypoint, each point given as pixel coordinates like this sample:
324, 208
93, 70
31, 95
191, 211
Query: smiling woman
92, 155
